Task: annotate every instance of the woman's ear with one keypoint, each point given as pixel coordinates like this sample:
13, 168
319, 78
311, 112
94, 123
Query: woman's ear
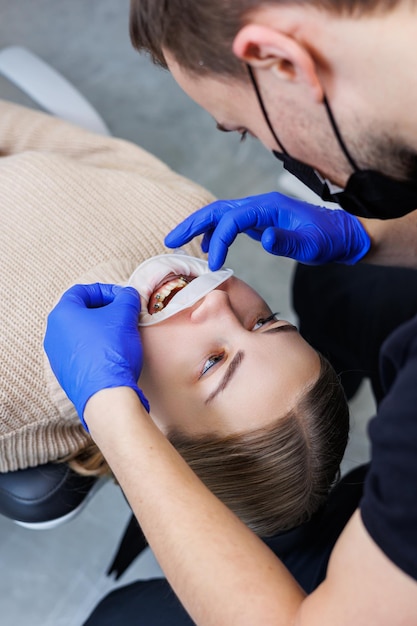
266, 48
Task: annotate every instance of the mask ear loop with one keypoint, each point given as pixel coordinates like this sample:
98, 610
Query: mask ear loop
339, 136
329, 114
263, 109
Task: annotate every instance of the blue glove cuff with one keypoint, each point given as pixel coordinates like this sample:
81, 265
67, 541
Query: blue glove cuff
360, 242
144, 400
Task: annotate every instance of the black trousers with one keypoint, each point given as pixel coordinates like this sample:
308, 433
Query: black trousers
143, 603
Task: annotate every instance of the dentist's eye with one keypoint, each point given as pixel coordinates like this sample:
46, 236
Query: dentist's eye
261, 322
211, 361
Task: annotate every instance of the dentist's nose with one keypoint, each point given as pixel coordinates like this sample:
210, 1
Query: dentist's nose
213, 306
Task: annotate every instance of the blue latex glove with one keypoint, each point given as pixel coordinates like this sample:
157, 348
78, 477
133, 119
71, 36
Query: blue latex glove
92, 341
286, 227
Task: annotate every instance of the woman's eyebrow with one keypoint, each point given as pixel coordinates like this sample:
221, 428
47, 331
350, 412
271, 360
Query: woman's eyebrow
231, 370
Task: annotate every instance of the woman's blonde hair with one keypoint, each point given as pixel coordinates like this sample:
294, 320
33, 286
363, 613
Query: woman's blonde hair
273, 478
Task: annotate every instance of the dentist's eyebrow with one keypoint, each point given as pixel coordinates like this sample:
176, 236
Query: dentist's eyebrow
280, 329
231, 370
222, 128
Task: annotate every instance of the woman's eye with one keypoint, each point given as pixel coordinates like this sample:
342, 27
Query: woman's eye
261, 322
212, 360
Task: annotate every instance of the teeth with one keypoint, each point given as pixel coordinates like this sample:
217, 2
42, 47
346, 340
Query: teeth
165, 290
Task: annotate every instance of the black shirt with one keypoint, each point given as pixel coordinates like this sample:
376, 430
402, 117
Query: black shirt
389, 503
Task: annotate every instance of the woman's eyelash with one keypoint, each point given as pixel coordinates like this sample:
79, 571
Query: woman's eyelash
216, 358
261, 322
211, 361
243, 135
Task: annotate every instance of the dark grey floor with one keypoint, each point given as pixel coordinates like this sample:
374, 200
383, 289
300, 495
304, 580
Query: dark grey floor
55, 577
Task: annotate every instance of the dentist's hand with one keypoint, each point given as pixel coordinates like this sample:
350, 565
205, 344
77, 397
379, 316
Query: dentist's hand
92, 341
286, 227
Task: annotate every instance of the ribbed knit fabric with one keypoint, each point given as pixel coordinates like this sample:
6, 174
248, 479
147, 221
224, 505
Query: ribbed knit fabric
75, 207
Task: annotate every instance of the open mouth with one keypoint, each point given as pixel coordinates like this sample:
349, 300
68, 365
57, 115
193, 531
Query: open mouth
161, 280
166, 290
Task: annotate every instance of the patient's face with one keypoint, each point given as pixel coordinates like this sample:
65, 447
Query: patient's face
218, 367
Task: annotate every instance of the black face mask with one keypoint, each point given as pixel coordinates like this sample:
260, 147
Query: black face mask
368, 193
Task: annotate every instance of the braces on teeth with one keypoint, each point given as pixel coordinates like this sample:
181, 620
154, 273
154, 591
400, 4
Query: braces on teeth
182, 280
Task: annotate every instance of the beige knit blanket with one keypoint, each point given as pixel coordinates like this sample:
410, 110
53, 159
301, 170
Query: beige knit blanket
75, 207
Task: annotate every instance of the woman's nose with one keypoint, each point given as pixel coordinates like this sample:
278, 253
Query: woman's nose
214, 305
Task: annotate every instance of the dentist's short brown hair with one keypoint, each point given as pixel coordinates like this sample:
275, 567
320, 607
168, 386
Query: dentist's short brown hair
200, 33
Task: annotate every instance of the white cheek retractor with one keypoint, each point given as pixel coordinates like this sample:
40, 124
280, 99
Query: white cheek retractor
149, 274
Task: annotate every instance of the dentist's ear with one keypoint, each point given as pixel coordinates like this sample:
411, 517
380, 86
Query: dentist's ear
266, 48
